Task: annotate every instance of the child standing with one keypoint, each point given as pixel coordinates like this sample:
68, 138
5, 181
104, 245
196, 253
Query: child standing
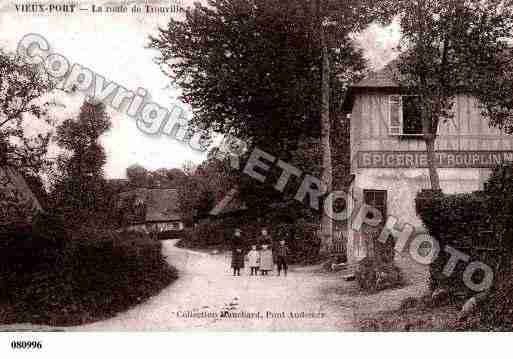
254, 260
281, 257
266, 260
237, 261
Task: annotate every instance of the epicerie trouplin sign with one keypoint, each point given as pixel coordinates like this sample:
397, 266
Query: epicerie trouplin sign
444, 159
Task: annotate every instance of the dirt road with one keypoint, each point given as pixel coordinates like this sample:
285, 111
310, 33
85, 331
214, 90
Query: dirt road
208, 297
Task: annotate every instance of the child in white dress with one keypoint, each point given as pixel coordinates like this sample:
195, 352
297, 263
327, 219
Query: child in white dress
254, 260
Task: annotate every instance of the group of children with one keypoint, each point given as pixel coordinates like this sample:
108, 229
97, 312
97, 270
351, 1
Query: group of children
259, 260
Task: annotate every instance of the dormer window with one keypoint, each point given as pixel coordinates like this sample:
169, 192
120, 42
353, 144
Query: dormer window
404, 116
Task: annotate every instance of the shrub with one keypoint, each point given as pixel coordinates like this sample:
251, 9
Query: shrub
470, 223
204, 235
93, 276
459, 221
301, 238
496, 312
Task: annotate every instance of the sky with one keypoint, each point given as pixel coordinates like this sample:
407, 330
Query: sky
113, 45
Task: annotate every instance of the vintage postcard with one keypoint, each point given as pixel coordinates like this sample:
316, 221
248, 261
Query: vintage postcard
256, 165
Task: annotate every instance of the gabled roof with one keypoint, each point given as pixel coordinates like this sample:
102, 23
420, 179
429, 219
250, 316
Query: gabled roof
389, 77
17, 202
384, 78
162, 204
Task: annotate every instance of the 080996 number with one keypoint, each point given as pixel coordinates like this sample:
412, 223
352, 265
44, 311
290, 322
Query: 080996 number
22, 344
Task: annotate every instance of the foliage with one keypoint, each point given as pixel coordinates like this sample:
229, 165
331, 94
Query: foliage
61, 277
80, 191
452, 47
269, 72
421, 317
460, 221
301, 237
137, 176
496, 313
195, 199
478, 224
21, 89
205, 235
140, 177
257, 78
373, 275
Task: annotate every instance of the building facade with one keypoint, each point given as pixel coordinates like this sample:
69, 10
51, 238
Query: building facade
388, 157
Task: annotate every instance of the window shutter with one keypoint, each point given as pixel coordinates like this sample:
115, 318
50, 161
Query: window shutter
394, 123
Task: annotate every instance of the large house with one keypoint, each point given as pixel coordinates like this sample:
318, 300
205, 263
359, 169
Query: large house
159, 211
388, 158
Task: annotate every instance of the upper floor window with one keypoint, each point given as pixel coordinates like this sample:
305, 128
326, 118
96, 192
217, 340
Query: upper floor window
404, 116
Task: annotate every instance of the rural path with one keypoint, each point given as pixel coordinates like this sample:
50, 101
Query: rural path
207, 288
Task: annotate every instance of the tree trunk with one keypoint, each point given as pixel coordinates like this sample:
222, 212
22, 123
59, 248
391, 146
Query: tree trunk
327, 170
433, 173
430, 131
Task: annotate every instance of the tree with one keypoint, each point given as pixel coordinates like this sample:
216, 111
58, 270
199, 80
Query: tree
195, 199
167, 178
81, 190
256, 68
21, 86
244, 68
454, 46
331, 23
138, 176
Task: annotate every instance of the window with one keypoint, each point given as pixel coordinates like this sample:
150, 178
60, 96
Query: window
404, 116
376, 199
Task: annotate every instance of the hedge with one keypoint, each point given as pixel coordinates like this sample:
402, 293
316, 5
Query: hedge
59, 277
478, 224
459, 221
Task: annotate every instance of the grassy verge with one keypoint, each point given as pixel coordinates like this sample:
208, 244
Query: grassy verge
419, 315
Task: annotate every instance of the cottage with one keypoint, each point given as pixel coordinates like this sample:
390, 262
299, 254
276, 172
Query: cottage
159, 211
388, 158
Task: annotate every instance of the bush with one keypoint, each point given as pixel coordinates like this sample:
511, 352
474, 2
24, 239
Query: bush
479, 224
301, 238
460, 221
496, 311
205, 235
94, 275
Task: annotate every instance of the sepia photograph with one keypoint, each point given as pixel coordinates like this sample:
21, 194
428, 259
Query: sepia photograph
249, 166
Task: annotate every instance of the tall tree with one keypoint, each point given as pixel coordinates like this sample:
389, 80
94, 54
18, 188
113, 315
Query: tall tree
454, 46
81, 190
257, 68
246, 68
331, 24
